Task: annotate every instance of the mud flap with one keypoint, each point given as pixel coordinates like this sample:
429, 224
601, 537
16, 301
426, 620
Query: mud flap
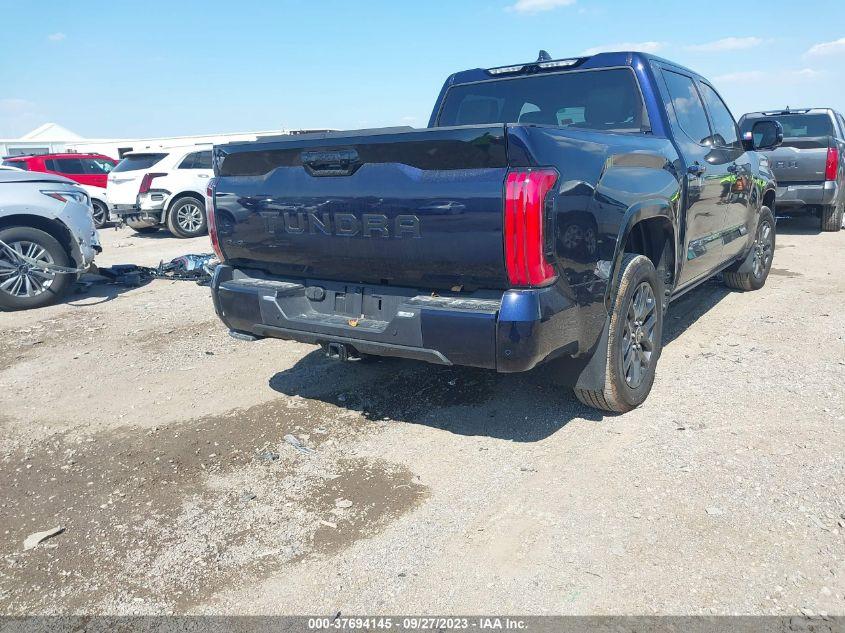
747, 265
585, 372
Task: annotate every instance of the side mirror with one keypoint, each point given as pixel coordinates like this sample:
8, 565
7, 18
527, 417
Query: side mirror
765, 134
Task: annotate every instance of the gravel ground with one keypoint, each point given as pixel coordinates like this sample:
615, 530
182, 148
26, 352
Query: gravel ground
193, 473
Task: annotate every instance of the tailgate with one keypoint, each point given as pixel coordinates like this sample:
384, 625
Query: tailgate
122, 188
799, 160
419, 208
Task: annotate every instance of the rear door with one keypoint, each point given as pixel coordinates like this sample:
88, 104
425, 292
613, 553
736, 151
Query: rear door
125, 179
738, 218
707, 170
191, 173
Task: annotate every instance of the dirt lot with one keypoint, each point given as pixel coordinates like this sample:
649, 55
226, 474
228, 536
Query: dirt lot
129, 418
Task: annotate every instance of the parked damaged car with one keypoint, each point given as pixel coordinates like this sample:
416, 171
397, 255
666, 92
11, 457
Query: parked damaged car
548, 215
47, 238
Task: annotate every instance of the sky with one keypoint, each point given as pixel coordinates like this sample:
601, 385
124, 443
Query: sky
145, 68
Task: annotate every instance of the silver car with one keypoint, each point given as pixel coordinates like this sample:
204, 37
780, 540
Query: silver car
47, 238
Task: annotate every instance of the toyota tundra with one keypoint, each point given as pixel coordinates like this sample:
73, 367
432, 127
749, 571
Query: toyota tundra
547, 215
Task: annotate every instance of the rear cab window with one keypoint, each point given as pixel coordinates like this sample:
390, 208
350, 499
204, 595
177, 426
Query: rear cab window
607, 100
20, 164
135, 162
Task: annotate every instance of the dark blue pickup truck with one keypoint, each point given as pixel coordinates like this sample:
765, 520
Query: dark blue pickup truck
548, 214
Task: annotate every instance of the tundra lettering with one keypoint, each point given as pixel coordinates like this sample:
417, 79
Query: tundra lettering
546, 217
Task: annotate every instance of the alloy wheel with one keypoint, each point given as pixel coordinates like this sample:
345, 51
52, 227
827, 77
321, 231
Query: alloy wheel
762, 250
18, 277
189, 217
638, 340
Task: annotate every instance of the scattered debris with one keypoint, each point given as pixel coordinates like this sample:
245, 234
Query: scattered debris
299, 446
268, 456
37, 538
191, 267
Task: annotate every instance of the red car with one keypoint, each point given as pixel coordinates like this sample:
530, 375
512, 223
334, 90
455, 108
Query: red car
89, 170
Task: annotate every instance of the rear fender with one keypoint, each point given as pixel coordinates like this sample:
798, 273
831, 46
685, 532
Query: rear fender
645, 210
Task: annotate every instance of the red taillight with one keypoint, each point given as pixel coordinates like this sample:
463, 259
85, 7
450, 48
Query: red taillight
147, 181
525, 198
211, 216
832, 165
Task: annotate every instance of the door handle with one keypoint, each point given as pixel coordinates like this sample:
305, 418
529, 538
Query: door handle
696, 169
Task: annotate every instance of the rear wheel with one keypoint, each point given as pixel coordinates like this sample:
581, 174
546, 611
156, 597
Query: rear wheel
24, 285
187, 218
832, 217
761, 256
101, 213
634, 340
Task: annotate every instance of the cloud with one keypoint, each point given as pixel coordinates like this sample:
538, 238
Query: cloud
644, 47
537, 6
823, 49
56, 37
726, 44
758, 76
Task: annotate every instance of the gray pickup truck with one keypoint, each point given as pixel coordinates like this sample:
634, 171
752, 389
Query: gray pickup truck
810, 164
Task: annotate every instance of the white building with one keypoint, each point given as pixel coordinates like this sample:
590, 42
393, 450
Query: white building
52, 137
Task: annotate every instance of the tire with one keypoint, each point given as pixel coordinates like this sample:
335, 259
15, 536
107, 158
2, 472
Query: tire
187, 219
832, 217
101, 213
44, 288
638, 307
762, 253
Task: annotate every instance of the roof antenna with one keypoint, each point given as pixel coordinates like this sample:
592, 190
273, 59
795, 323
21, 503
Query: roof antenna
544, 56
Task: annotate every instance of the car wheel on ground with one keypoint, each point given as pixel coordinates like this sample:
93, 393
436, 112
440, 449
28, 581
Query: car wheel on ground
101, 213
187, 218
761, 256
23, 286
832, 217
634, 339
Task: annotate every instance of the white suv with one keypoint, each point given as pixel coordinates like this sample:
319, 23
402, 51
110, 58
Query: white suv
162, 187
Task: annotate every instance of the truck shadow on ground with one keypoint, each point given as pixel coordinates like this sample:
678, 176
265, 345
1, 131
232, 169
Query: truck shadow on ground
799, 225
524, 407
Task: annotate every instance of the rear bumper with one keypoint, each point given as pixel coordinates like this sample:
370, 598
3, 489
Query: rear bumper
796, 195
508, 331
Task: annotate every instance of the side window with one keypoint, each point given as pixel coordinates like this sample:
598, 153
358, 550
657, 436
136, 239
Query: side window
189, 161
68, 166
203, 160
689, 111
724, 126
96, 167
